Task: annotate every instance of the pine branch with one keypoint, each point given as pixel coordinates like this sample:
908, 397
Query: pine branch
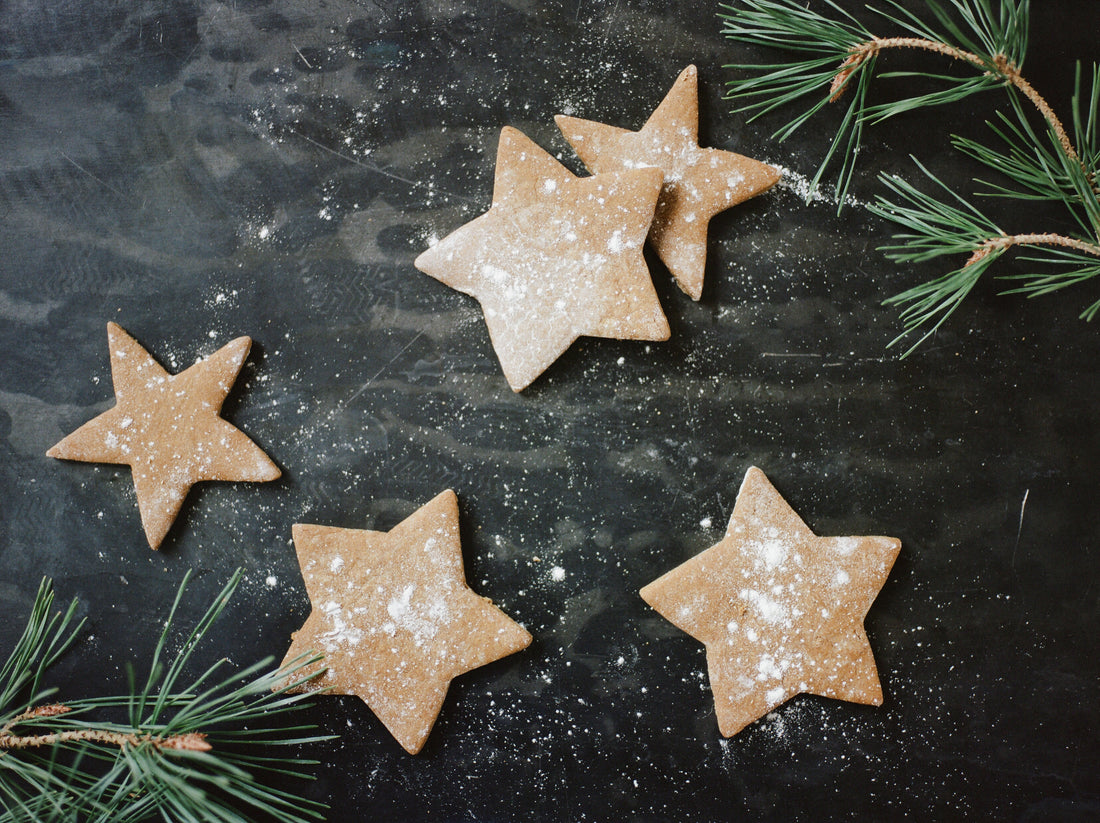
180, 751
939, 227
989, 37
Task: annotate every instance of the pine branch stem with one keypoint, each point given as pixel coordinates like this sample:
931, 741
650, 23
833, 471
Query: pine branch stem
191, 741
877, 44
1005, 68
1009, 240
1012, 73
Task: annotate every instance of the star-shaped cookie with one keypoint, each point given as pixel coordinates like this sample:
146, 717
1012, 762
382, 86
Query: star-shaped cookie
394, 618
779, 609
555, 257
698, 184
168, 429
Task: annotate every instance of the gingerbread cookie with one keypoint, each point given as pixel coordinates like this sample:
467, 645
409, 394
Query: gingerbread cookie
779, 609
698, 182
394, 618
555, 257
168, 429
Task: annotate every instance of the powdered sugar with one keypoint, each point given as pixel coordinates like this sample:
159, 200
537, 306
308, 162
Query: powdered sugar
769, 610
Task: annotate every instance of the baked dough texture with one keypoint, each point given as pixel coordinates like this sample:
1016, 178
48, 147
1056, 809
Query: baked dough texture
167, 428
394, 618
779, 609
555, 258
698, 182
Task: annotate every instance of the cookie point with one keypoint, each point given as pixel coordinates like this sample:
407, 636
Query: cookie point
412, 747
518, 383
566, 121
753, 477
511, 133
892, 548
524, 638
449, 495
115, 331
239, 347
689, 75
423, 260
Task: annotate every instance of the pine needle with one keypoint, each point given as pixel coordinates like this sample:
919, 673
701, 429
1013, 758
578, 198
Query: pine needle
185, 752
830, 55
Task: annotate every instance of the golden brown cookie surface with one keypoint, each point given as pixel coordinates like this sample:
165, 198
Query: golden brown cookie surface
168, 429
779, 609
394, 618
698, 184
555, 257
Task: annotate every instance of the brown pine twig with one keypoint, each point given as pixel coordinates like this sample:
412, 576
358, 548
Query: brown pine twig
1005, 68
191, 741
1009, 240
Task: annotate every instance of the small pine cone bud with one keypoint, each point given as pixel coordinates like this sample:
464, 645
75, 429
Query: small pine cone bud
847, 68
192, 742
51, 710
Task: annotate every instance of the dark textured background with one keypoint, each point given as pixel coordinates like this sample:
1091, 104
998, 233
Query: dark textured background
199, 170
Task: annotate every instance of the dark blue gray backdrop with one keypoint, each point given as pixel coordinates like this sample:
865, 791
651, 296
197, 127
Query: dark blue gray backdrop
199, 170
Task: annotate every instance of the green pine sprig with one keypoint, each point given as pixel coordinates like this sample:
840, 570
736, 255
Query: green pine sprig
174, 748
832, 56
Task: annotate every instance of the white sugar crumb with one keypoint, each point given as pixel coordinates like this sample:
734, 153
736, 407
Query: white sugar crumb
557, 574
272, 581
222, 298
422, 620
767, 669
341, 634
775, 723
802, 187
846, 545
399, 606
773, 553
768, 609
706, 523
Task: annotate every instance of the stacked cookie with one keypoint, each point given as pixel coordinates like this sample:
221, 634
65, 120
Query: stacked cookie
559, 256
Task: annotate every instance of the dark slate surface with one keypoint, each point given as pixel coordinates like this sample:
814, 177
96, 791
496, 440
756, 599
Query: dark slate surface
195, 171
